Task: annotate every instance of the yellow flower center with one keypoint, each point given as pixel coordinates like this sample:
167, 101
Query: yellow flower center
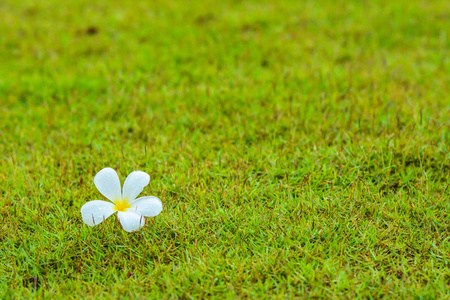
122, 205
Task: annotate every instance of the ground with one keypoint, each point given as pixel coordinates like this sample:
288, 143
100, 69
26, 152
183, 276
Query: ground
300, 148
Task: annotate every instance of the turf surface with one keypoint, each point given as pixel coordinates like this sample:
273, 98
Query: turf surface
300, 148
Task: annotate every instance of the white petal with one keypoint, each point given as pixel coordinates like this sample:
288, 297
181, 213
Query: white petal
131, 220
108, 183
147, 206
95, 212
134, 184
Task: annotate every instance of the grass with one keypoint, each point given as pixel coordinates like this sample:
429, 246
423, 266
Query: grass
300, 148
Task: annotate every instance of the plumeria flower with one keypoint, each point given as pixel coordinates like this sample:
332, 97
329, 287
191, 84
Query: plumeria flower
130, 211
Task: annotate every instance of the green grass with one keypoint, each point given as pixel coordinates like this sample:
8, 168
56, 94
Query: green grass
300, 148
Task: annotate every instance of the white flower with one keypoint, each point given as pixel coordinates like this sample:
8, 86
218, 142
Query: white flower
130, 211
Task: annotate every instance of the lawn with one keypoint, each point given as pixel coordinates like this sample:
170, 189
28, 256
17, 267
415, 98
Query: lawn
300, 148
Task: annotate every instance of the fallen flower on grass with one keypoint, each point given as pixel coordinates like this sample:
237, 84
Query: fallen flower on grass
130, 211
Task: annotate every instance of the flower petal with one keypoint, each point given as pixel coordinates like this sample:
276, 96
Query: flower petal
95, 212
131, 220
147, 206
108, 183
134, 184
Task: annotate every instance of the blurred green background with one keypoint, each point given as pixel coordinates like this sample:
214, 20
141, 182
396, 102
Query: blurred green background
300, 148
